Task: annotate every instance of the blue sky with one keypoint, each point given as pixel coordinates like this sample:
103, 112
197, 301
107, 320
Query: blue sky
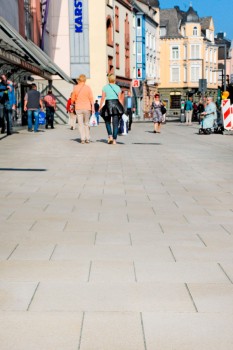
220, 10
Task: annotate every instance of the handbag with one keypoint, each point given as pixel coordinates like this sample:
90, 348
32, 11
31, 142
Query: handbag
163, 109
93, 120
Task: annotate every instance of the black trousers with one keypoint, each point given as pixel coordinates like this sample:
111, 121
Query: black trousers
50, 116
129, 113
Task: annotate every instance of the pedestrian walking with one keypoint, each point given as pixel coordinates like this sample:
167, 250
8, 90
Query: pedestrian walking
113, 109
188, 110
97, 113
157, 115
50, 105
32, 105
129, 106
7, 104
72, 116
82, 97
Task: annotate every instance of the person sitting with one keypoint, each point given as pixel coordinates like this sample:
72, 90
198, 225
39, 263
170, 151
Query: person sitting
210, 114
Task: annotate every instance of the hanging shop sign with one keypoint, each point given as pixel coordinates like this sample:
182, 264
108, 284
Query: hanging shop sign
78, 16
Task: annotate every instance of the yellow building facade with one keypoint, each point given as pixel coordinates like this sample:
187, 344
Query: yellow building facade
189, 58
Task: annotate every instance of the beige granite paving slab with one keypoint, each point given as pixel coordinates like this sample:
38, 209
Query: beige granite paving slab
112, 271
115, 331
212, 297
109, 252
16, 296
180, 272
135, 297
37, 271
186, 331
40, 331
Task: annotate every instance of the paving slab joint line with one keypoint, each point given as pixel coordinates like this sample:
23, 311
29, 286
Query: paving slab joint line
201, 240
12, 252
225, 229
172, 254
143, 332
191, 297
130, 239
81, 332
95, 239
135, 275
55, 247
228, 277
33, 296
161, 227
89, 272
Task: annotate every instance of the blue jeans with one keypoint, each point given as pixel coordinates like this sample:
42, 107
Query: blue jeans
36, 116
97, 117
115, 124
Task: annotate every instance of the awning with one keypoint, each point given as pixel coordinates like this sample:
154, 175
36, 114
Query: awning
15, 51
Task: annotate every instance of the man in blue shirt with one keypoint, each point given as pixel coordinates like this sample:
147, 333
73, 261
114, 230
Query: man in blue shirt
189, 110
129, 106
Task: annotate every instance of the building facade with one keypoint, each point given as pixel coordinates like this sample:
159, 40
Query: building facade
189, 57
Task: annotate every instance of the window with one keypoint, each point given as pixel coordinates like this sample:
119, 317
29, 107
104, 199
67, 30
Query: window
195, 51
195, 33
175, 101
139, 72
28, 19
117, 27
206, 74
117, 56
147, 39
211, 76
110, 65
206, 55
163, 31
211, 55
195, 74
127, 63
139, 27
109, 32
185, 52
139, 52
175, 53
175, 74
185, 74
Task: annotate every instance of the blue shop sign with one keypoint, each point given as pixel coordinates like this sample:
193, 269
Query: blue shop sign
78, 16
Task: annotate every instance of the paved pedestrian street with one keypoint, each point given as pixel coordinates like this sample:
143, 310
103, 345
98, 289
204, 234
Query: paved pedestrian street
116, 247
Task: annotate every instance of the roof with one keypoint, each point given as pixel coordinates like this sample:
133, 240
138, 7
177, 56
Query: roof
152, 3
16, 51
171, 18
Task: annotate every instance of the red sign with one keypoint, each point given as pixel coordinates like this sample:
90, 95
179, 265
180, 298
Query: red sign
136, 83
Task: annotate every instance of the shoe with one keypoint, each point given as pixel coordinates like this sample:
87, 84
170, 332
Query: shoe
114, 142
29, 130
46, 126
9, 133
110, 141
87, 141
82, 142
154, 132
71, 128
52, 127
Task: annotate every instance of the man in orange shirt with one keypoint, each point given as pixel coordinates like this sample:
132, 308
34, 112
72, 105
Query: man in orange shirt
82, 97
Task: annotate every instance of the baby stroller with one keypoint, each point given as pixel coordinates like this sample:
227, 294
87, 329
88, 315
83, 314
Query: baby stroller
208, 124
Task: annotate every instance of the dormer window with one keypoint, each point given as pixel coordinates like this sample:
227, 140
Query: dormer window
163, 31
194, 31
